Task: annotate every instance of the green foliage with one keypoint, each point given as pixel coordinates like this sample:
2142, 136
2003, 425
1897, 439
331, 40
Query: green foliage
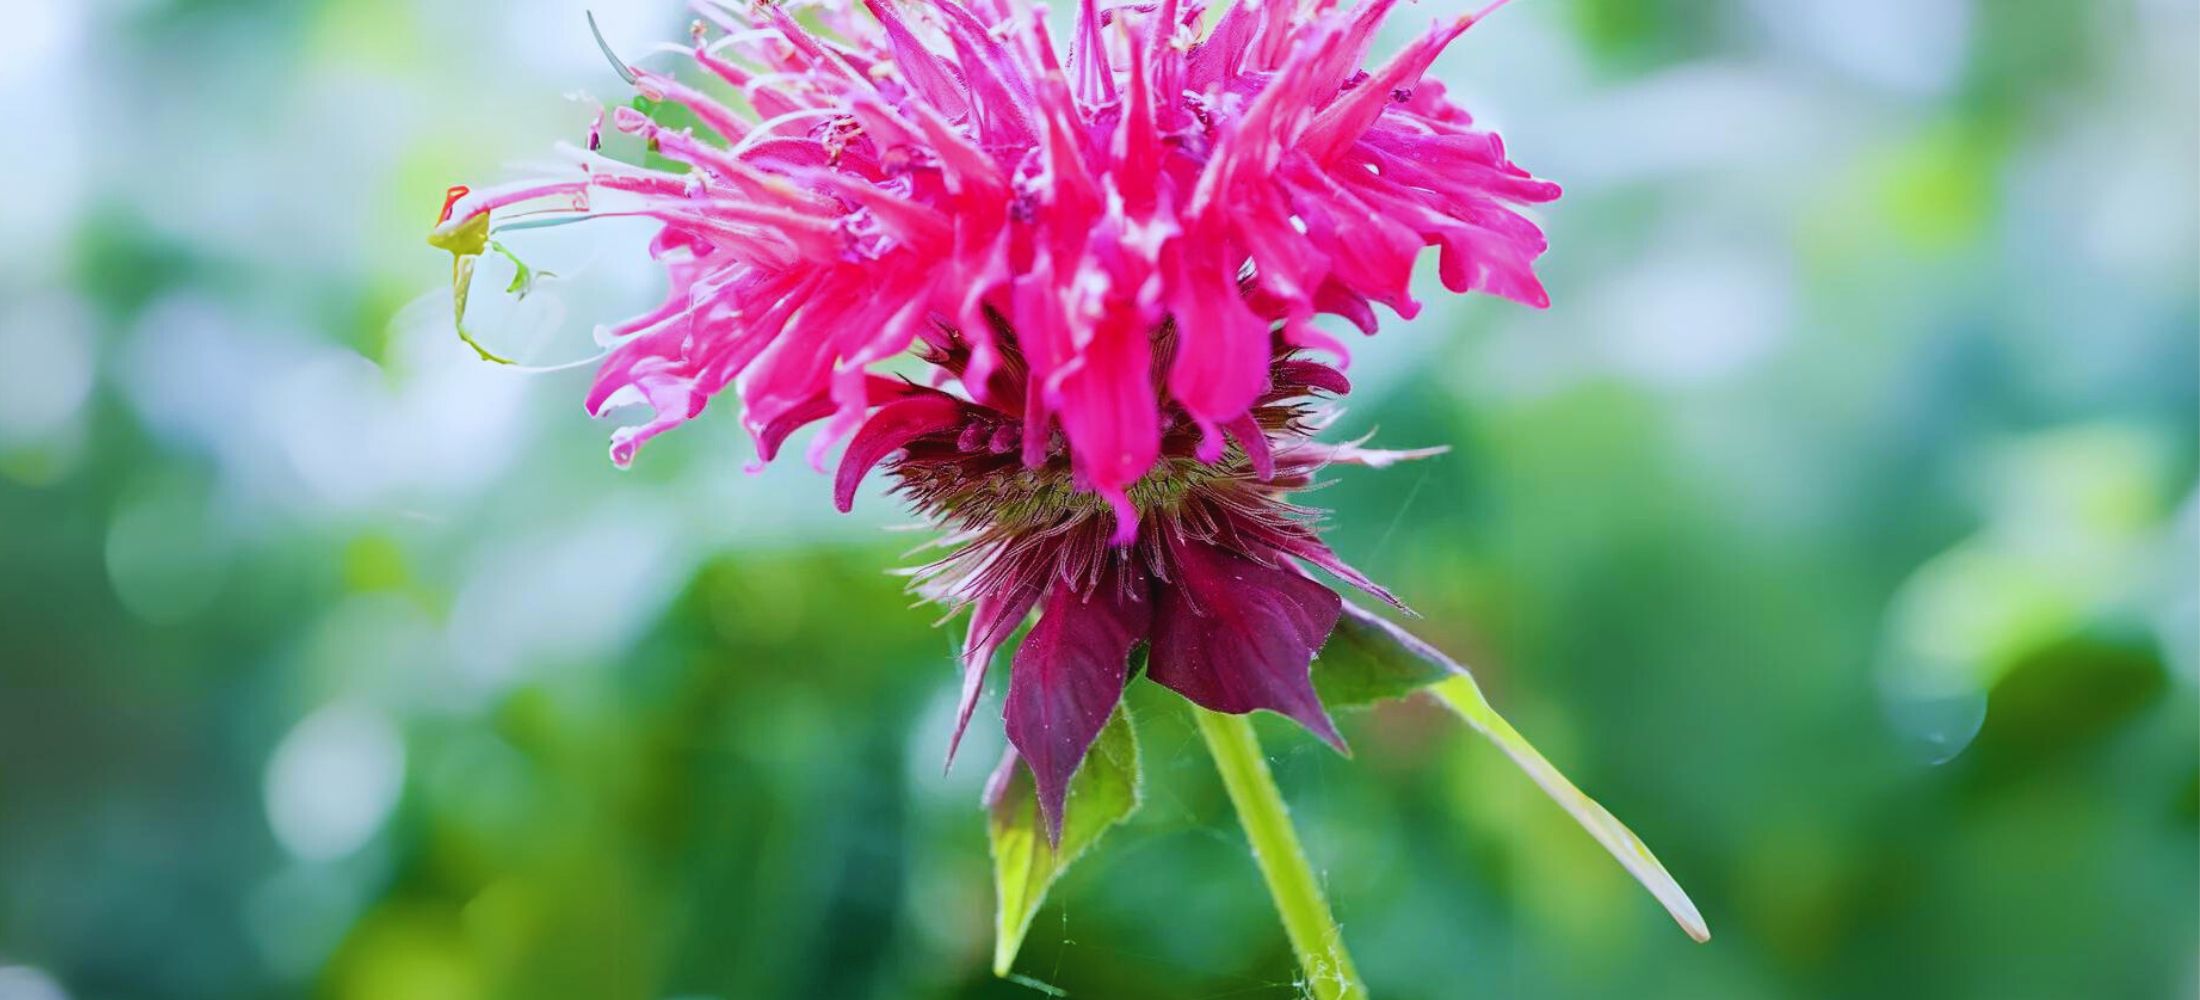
1104, 792
1369, 659
672, 732
1365, 662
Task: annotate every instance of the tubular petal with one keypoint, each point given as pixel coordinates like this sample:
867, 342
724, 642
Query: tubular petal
894, 425
1142, 220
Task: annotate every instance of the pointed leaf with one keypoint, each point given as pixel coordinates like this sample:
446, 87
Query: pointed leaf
1374, 659
992, 617
1065, 681
1362, 663
1233, 635
1104, 792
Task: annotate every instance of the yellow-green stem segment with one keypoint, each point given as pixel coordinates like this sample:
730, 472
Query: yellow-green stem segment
1314, 935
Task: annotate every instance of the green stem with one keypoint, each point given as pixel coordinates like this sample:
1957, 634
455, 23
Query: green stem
1314, 935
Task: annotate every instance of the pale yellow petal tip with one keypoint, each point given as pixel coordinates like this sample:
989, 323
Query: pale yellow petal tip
1464, 698
1691, 921
1667, 892
1670, 895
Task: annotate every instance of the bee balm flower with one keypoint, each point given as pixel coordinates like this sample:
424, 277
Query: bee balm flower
1111, 261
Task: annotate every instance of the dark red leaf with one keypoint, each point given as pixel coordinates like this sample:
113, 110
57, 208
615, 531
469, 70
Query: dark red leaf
992, 618
1065, 680
1233, 635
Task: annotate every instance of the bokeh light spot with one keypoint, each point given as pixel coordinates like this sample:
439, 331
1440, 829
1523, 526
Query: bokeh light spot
333, 782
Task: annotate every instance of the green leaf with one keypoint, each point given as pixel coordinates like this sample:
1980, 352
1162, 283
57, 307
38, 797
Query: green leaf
1375, 664
524, 275
1363, 662
1104, 792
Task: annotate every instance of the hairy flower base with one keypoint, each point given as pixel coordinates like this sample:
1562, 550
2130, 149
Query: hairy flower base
1208, 580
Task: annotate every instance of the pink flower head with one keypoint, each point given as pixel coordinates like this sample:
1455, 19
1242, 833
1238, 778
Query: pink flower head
1112, 262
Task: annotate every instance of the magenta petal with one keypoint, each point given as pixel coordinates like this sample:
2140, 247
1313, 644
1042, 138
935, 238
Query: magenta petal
1066, 679
893, 426
1233, 635
903, 170
770, 436
992, 618
1108, 409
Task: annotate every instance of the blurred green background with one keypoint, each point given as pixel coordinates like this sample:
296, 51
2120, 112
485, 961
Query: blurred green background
1836, 527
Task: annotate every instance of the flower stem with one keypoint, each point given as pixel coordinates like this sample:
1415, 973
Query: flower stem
1314, 935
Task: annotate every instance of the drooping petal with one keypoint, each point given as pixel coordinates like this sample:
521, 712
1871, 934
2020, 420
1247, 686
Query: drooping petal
1106, 403
771, 436
1233, 635
894, 425
1222, 346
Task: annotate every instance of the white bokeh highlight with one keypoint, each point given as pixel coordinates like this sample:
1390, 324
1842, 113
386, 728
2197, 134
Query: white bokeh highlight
333, 782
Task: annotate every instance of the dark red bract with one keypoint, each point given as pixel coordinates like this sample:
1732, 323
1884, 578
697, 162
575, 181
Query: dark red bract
1211, 583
